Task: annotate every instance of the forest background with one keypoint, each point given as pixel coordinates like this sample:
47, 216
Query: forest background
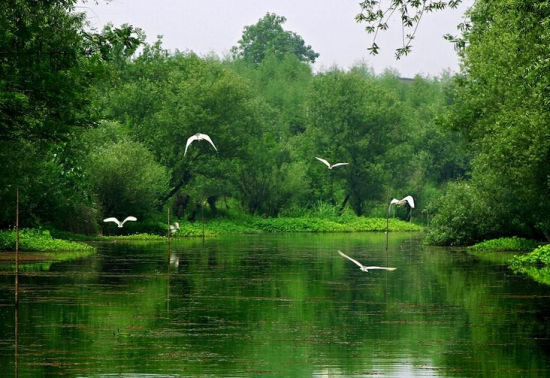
94, 124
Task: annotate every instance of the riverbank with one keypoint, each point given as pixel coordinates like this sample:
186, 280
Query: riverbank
252, 225
39, 250
38, 240
533, 258
42, 240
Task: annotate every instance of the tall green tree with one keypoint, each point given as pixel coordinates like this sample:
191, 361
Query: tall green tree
267, 37
502, 107
354, 119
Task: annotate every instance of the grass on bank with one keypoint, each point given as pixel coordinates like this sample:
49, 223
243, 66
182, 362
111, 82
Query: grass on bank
505, 244
250, 225
502, 250
40, 249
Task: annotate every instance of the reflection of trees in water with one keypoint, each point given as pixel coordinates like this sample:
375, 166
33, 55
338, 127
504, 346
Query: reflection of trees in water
289, 305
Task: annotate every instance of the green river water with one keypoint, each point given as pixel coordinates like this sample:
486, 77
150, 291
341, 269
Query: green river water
274, 305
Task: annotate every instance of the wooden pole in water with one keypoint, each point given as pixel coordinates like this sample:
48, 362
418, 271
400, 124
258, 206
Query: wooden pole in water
16, 246
16, 320
387, 224
202, 217
168, 275
169, 225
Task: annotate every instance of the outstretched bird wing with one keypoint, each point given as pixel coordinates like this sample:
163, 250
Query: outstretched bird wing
189, 141
323, 161
410, 200
112, 219
207, 138
380, 267
130, 218
339, 164
352, 260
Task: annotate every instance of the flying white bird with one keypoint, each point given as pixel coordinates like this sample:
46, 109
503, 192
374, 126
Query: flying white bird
119, 223
175, 227
364, 268
407, 200
328, 164
198, 136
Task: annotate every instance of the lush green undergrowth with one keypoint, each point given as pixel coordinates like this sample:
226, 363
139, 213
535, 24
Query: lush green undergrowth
535, 264
38, 240
540, 257
505, 244
140, 236
287, 224
42, 240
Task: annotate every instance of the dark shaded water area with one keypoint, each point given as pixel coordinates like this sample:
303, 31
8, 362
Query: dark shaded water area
275, 305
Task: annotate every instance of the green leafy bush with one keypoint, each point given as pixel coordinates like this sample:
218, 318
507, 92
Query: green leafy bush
140, 227
127, 179
535, 264
539, 257
462, 217
141, 236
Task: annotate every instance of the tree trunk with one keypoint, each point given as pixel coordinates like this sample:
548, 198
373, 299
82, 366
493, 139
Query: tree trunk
344, 203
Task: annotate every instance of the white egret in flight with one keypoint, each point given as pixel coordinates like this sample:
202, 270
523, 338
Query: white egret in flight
364, 268
175, 227
407, 200
330, 166
119, 223
198, 136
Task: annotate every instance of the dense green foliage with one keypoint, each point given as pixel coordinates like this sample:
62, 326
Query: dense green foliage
539, 257
501, 106
38, 240
505, 244
269, 117
101, 129
535, 264
267, 37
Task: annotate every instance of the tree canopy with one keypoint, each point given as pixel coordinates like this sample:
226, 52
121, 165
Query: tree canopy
267, 37
502, 108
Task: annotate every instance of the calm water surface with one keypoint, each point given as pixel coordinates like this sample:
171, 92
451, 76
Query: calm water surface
275, 305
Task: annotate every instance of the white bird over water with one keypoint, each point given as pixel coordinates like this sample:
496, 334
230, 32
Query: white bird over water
119, 223
330, 166
198, 136
364, 268
174, 227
